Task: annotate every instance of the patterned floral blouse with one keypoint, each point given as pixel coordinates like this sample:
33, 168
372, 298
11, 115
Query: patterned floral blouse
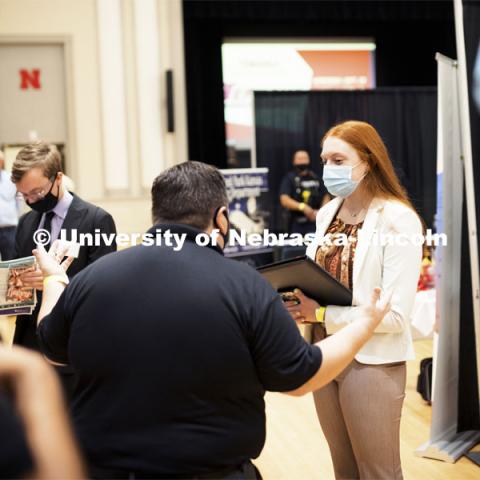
337, 255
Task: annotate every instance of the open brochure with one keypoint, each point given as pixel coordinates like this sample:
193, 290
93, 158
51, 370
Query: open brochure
15, 298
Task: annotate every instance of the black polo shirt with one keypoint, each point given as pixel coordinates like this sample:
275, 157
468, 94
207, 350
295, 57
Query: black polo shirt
306, 188
15, 457
174, 352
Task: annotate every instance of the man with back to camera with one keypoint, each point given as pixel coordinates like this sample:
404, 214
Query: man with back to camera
38, 177
174, 350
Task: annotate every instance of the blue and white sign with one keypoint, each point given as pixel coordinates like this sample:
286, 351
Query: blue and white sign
246, 189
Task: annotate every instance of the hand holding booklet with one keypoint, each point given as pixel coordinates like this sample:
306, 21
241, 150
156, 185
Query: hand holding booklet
15, 297
308, 276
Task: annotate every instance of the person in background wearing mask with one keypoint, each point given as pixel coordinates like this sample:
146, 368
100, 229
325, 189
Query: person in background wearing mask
360, 410
10, 209
301, 195
37, 175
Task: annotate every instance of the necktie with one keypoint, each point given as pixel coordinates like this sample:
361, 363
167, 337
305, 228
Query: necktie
48, 227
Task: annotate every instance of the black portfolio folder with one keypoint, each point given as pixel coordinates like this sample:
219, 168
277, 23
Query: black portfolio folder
310, 278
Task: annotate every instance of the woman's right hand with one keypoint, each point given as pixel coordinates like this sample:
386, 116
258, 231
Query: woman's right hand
303, 312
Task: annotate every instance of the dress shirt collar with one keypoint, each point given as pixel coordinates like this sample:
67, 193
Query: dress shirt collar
61, 208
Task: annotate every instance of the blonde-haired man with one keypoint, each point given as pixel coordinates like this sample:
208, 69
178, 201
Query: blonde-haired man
38, 177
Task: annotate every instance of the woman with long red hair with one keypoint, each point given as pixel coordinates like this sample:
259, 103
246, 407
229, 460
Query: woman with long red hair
366, 236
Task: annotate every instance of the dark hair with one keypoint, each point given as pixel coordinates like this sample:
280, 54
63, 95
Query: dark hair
39, 154
188, 193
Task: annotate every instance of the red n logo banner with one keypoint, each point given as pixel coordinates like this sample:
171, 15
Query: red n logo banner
30, 79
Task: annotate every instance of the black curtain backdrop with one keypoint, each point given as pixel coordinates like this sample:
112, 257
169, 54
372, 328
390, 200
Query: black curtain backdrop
407, 35
468, 395
406, 119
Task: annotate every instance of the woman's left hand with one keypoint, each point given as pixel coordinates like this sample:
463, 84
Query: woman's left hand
304, 312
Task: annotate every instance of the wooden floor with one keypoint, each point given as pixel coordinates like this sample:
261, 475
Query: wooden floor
296, 448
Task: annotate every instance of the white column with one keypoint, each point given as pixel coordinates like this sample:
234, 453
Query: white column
173, 57
112, 87
150, 81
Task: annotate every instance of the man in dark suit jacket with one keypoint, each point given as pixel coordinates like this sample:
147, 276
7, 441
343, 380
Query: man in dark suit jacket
37, 175
82, 216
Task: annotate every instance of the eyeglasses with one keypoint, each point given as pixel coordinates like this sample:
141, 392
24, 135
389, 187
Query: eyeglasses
37, 195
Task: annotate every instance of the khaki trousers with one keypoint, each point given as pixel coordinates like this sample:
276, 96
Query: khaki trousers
359, 413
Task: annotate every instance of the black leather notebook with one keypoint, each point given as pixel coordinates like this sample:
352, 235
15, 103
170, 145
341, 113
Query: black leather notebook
313, 280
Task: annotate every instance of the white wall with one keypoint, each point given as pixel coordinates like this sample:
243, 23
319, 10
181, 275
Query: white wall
25, 97
117, 139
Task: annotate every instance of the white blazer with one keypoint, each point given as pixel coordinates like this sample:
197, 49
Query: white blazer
395, 268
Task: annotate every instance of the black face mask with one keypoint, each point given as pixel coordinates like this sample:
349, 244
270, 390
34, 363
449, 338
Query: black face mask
301, 168
227, 236
47, 203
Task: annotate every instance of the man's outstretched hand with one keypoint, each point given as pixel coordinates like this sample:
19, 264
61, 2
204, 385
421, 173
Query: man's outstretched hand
52, 262
372, 313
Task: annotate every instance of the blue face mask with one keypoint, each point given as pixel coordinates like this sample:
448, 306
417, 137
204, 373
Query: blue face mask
338, 180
